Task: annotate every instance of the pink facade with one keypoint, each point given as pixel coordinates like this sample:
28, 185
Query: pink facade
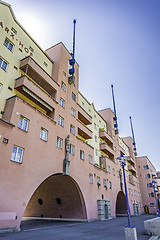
147, 173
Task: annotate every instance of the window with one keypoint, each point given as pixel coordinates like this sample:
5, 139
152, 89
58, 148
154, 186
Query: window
96, 153
64, 74
104, 182
91, 178
113, 171
147, 175
62, 102
43, 134
98, 180
95, 138
63, 86
13, 30
61, 121
109, 169
73, 112
151, 194
145, 167
32, 50
1, 86
110, 185
73, 96
59, 142
8, 44
17, 154
23, 123
45, 64
72, 149
95, 126
72, 129
149, 185
151, 204
90, 159
81, 154
3, 64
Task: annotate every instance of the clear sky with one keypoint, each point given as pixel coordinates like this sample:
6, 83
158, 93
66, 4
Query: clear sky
117, 42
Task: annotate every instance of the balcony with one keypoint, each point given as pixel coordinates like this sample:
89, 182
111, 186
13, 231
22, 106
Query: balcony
103, 162
84, 131
83, 116
104, 147
132, 179
106, 137
131, 160
35, 93
131, 169
42, 78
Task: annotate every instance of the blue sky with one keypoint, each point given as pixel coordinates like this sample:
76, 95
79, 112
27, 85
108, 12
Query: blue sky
117, 42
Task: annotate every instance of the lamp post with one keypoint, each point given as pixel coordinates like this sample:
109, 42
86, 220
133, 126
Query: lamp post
153, 185
130, 232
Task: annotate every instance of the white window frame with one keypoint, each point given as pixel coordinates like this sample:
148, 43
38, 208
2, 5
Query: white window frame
8, 44
91, 178
17, 154
23, 123
63, 86
82, 154
74, 96
62, 102
60, 121
3, 64
59, 143
72, 129
98, 179
44, 134
90, 159
73, 112
1, 85
72, 149
110, 185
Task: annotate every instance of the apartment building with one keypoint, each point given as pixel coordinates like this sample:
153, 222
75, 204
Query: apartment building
147, 174
58, 154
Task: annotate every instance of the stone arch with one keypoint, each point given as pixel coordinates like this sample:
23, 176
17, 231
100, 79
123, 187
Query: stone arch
58, 196
121, 208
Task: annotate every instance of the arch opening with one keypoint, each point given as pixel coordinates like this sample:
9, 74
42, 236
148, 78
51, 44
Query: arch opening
121, 208
58, 196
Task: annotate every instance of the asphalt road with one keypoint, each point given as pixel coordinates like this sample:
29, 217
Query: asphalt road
97, 230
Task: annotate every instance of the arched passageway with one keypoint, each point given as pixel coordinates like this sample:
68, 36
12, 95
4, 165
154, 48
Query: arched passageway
121, 208
57, 197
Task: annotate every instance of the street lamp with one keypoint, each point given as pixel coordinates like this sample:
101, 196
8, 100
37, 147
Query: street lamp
153, 185
130, 232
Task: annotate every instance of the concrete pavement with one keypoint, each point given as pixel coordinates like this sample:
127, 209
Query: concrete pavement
96, 230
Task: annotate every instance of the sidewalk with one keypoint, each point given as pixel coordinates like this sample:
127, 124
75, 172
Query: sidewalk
96, 230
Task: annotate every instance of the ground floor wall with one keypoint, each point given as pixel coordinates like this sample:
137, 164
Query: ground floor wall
37, 186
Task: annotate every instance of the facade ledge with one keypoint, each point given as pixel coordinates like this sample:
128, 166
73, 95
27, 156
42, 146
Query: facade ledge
33, 107
84, 142
29, 57
3, 120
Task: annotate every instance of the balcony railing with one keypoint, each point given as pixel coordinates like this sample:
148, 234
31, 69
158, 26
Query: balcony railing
106, 137
84, 131
131, 169
131, 160
132, 179
83, 116
33, 70
104, 147
34, 92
